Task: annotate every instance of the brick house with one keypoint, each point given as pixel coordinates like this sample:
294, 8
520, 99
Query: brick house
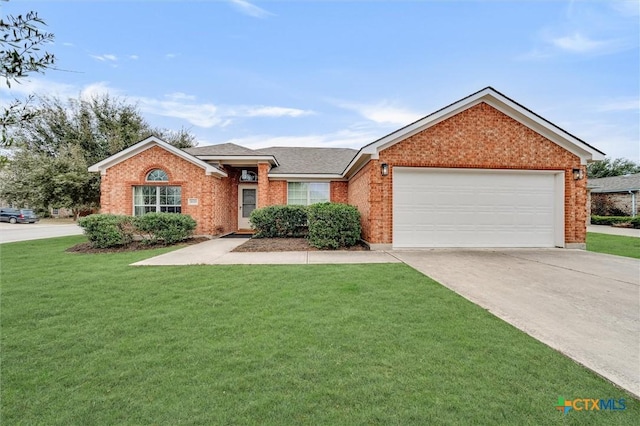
615, 195
482, 172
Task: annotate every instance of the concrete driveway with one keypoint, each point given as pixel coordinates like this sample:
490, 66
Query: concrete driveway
586, 305
10, 233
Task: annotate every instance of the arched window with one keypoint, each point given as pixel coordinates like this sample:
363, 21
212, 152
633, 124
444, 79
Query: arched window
157, 175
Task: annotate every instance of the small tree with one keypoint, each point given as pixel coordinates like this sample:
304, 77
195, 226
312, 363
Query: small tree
21, 40
608, 167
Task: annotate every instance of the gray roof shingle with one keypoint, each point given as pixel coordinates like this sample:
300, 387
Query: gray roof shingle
615, 183
291, 160
299, 160
220, 149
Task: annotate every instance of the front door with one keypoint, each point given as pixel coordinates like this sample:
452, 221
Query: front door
247, 202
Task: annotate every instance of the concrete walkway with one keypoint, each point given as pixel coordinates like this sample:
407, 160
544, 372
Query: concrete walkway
218, 252
604, 229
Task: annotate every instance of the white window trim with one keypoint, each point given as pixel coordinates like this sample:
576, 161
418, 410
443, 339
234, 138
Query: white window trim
157, 204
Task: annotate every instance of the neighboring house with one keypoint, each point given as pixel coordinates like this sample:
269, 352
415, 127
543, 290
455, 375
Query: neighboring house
615, 195
482, 172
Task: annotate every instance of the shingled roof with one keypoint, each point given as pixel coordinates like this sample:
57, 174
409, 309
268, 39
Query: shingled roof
309, 160
291, 160
222, 149
616, 183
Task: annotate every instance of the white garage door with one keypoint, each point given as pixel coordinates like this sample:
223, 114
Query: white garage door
477, 208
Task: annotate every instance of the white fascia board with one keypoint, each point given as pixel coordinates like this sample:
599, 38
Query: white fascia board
145, 144
240, 158
307, 177
359, 161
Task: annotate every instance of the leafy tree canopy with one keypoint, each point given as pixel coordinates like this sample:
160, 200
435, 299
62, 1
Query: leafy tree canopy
53, 150
609, 167
21, 42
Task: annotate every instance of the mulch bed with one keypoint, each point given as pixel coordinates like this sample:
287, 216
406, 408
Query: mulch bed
134, 246
284, 244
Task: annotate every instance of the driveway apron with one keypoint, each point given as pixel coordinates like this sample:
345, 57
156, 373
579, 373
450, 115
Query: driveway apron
585, 305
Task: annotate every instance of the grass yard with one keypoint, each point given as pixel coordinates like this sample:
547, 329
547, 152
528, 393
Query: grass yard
88, 340
614, 244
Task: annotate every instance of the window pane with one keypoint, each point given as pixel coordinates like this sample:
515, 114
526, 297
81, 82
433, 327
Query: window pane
318, 192
248, 201
157, 175
297, 193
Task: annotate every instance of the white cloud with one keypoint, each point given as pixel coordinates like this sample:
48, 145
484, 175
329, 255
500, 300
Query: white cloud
170, 55
105, 58
134, 57
271, 111
347, 138
383, 112
579, 43
98, 89
68, 44
184, 106
179, 96
201, 115
250, 9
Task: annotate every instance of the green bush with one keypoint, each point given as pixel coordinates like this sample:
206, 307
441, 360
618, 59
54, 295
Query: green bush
635, 222
609, 220
333, 225
279, 222
169, 228
107, 230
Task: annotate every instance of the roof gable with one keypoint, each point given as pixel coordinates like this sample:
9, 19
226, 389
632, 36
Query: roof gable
500, 102
148, 143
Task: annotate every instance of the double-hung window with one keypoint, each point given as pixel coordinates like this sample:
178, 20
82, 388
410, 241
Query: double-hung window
157, 198
307, 193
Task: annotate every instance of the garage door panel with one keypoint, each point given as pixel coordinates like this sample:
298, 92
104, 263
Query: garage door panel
458, 208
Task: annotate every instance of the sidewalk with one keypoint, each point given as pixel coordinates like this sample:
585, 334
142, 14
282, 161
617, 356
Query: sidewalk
604, 229
218, 252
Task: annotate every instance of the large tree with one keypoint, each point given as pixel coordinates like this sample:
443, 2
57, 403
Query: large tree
53, 150
609, 167
21, 54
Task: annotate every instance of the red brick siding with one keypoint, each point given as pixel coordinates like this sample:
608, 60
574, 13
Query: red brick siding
212, 217
263, 184
277, 192
479, 137
358, 195
339, 192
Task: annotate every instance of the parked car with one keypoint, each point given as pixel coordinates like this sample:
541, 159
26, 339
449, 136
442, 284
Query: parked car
11, 215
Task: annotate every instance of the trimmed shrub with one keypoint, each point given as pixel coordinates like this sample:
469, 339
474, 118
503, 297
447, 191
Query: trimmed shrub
279, 222
333, 225
609, 220
635, 222
107, 230
169, 228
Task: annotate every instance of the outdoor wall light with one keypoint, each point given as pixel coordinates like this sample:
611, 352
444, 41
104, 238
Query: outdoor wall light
384, 169
578, 174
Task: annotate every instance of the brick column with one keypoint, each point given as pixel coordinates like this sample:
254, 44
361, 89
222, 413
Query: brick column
263, 184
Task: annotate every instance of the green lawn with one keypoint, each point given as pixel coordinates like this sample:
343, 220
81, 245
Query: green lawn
88, 340
614, 244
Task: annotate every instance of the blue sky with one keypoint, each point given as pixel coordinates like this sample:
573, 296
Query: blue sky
344, 73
